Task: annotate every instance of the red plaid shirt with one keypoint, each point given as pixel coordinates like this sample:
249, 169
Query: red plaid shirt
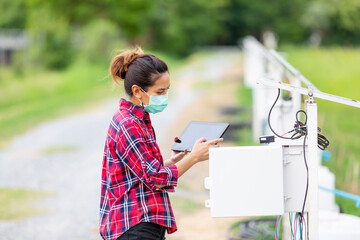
132, 166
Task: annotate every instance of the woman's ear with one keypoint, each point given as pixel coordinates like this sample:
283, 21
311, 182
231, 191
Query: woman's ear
136, 91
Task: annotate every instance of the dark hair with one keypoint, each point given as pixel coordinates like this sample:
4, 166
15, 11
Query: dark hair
137, 68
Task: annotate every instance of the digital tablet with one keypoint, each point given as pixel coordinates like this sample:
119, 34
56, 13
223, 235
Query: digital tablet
196, 130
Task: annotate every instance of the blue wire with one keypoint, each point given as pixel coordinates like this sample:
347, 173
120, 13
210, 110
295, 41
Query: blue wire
277, 221
300, 227
295, 226
292, 234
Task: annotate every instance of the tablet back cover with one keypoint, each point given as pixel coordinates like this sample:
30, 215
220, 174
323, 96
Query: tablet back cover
196, 130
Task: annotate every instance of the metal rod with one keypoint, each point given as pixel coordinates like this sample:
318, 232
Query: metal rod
293, 70
346, 101
275, 57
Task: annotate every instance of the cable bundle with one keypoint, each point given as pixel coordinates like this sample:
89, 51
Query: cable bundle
299, 131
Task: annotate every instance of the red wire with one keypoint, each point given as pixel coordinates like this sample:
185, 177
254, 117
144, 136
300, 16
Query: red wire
303, 219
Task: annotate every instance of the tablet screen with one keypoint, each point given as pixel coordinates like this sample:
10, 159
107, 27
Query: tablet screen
196, 130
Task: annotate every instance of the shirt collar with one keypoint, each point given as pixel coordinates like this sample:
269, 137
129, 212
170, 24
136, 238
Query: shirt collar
136, 110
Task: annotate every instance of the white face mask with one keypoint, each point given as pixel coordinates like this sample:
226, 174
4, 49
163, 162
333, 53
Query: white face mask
156, 103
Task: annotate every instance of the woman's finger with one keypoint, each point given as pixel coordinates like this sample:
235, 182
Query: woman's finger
214, 146
201, 140
215, 141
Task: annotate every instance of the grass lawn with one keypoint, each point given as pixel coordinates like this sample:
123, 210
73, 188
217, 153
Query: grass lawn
31, 96
336, 71
19, 203
36, 95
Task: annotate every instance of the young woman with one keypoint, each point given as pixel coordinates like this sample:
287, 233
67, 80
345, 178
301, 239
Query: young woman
136, 180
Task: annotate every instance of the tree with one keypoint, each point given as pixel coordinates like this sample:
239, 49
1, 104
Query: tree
336, 21
247, 17
180, 26
13, 14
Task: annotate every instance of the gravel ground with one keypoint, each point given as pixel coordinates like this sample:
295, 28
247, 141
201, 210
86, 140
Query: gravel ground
72, 176
64, 156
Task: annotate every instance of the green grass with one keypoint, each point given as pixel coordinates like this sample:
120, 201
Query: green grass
336, 71
34, 95
37, 95
244, 96
16, 204
58, 149
185, 205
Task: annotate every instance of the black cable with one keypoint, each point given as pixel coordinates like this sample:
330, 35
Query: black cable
322, 142
300, 130
272, 107
307, 180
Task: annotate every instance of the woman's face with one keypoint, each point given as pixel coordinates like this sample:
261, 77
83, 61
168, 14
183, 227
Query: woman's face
160, 87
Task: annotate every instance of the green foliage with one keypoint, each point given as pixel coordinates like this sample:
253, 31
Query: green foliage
347, 12
247, 17
180, 26
174, 26
131, 15
13, 14
316, 16
50, 36
100, 38
337, 21
59, 27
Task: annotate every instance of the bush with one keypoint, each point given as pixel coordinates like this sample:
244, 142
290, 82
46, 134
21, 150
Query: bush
50, 41
99, 39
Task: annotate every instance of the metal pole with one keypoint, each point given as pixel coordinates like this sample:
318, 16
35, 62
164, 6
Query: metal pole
312, 161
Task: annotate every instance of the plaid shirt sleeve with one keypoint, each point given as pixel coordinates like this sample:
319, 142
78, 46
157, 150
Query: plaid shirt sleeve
136, 151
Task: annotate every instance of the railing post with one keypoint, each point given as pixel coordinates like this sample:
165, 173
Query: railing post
312, 161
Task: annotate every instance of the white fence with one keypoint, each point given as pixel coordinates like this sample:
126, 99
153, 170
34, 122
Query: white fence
259, 63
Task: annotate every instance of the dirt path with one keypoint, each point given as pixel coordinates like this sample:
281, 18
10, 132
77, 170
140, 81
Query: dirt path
63, 157
215, 80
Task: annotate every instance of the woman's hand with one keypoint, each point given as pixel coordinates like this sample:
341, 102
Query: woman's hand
200, 151
176, 156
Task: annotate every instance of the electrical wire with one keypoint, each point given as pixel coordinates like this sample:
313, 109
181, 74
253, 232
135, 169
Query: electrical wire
300, 128
304, 222
322, 142
307, 179
300, 228
291, 228
272, 107
276, 226
295, 226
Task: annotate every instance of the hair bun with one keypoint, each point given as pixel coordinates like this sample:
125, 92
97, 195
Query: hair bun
120, 63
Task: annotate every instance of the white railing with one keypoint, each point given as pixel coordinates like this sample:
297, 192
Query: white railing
264, 71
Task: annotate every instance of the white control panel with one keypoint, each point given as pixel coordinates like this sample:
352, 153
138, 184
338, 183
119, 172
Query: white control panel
246, 181
256, 180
